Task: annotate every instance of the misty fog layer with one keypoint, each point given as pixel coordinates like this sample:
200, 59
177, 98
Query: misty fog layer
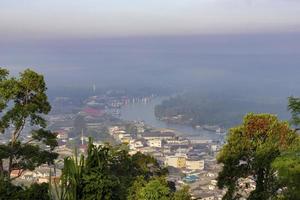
266, 64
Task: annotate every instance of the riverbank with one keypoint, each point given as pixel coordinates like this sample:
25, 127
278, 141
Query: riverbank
145, 112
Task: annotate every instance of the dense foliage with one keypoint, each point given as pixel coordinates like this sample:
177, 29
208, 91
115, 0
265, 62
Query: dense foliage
182, 194
23, 103
288, 163
294, 107
249, 153
288, 168
111, 173
13, 192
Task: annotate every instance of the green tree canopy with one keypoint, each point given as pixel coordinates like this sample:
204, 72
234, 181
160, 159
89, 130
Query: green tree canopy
156, 189
23, 103
8, 191
107, 173
294, 108
288, 167
288, 163
183, 194
250, 150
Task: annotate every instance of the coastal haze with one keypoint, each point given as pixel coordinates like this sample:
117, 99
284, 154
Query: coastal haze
211, 45
244, 53
244, 62
256, 67
158, 99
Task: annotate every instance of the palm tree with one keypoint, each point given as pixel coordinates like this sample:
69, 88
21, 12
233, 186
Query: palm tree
70, 185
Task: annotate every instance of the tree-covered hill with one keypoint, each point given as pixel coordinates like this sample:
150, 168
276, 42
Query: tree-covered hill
225, 111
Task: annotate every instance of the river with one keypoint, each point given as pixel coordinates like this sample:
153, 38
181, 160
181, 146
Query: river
145, 112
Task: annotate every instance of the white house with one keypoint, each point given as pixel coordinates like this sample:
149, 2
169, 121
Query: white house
155, 143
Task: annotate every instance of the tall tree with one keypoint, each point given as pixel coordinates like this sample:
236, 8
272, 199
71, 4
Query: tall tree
23, 103
288, 163
250, 150
294, 108
71, 180
288, 168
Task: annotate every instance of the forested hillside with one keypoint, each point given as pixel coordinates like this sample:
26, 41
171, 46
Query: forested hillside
225, 111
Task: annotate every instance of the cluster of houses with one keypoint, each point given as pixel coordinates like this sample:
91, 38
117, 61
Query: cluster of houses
111, 103
190, 161
40, 175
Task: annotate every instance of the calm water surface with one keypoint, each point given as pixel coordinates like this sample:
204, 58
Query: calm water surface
145, 112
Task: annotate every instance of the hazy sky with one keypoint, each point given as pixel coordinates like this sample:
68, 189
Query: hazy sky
96, 18
207, 44
260, 61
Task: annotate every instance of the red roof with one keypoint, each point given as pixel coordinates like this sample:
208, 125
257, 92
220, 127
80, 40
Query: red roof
93, 112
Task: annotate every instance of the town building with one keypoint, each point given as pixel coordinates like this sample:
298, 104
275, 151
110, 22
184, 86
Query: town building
176, 161
155, 143
193, 164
